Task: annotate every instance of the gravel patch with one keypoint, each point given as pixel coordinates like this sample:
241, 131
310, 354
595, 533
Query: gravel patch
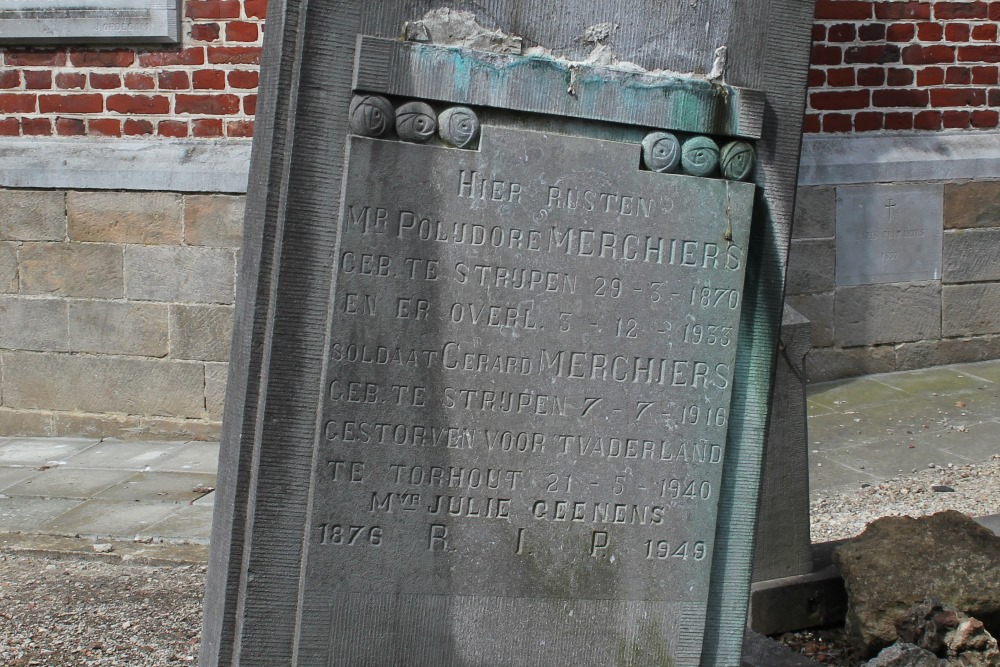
83, 613
972, 489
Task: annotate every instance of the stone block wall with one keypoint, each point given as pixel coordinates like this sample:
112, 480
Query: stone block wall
859, 329
117, 311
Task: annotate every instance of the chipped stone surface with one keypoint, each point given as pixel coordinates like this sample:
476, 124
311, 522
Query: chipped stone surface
459, 28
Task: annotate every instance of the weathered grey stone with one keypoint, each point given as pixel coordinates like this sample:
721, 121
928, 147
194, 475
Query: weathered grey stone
925, 353
904, 158
115, 327
96, 384
71, 269
8, 266
26, 422
905, 655
213, 220
166, 428
782, 545
973, 204
971, 255
899, 561
184, 274
815, 213
33, 324
811, 265
892, 313
969, 310
215, 389
888, 233
83, 425
94, 163
201, 332
825, 364
32, 215
818, 309
125, 217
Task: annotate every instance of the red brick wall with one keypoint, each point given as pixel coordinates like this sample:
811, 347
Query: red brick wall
903, 66
877, 66
204, 87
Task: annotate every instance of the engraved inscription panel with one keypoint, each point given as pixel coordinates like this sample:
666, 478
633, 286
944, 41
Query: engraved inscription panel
528, 382
888, 233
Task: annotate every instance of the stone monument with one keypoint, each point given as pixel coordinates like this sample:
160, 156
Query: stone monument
510, 309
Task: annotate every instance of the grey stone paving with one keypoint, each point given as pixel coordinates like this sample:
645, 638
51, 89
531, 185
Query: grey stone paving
860, 430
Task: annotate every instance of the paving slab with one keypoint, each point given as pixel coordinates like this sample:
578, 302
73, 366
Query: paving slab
932, 381
124, 455
42, 451
107, 518
24, 514
190, 523
986, 370
973, 442
192, 457
160, 487
10, 475
826, 473
855, 393
891, 460
67, 483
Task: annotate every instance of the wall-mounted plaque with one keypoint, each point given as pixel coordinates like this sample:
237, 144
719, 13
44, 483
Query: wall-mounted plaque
888, 233
89, 21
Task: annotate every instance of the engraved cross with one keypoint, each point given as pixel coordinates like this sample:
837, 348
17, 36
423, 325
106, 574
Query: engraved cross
889, 205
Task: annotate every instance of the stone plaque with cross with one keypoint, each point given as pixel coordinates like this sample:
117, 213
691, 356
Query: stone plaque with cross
888, 233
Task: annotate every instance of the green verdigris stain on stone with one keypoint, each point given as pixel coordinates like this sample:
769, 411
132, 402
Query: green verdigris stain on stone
541, 83
649, 648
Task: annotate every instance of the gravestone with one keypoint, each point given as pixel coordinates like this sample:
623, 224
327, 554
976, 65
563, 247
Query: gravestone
90, 21
500, 381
